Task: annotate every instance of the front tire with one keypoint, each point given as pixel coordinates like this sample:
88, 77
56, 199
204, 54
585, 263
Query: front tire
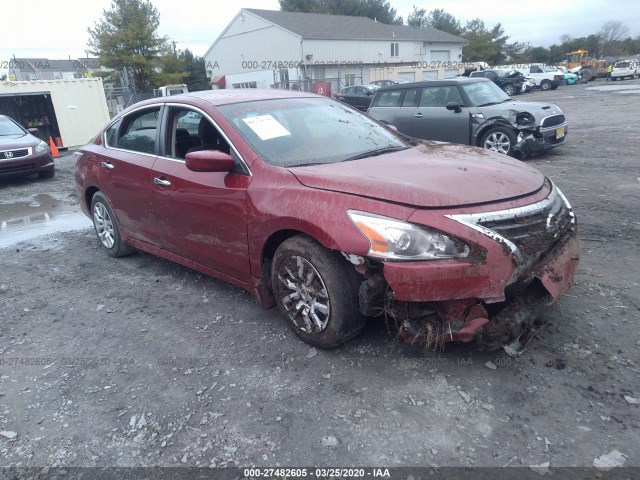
47, 173
317, 291
106, 227
499, 139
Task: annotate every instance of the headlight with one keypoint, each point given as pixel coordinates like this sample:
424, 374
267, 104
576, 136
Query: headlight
42, 147
392, 239
525, 119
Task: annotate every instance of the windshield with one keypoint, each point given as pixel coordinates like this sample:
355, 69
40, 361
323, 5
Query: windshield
8, 127
302, 131
484, 93
622, 64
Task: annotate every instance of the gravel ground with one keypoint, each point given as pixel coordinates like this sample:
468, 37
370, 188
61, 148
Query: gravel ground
141, 362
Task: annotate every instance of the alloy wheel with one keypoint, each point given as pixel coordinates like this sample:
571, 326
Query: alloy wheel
498, 142
304, 295
104, 225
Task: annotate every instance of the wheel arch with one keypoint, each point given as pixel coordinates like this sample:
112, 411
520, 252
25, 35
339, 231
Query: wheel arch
270, 246
88, 196
489, 124
277, 237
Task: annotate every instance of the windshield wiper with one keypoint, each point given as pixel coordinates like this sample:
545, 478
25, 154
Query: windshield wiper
494, 103
374, 153
306, 164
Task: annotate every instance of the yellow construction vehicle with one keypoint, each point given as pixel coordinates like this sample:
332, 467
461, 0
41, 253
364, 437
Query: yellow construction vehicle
585, 67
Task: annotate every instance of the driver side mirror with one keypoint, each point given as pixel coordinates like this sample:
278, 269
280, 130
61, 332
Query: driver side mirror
454, 106
209, 161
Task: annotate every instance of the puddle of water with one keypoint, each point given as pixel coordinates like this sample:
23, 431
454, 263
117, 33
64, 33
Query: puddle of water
42, 215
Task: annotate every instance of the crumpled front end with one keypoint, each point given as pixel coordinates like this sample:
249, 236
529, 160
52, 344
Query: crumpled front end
530, 258
552, 132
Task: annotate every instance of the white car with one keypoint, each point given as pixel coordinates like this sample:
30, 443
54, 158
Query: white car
625, 69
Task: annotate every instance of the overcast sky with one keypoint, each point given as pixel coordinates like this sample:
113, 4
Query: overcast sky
57, 30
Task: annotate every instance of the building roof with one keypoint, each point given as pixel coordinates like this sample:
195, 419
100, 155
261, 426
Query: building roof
344, 27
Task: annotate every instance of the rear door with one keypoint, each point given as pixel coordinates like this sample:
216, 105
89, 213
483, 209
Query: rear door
404, 118
125, 172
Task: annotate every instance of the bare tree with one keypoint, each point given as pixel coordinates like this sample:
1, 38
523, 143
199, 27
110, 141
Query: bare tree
610, 34
566, 38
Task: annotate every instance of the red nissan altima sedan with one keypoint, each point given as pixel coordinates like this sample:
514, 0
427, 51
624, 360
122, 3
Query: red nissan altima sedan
334, 217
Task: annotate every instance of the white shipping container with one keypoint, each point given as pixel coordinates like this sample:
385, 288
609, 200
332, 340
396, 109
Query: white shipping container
79, 104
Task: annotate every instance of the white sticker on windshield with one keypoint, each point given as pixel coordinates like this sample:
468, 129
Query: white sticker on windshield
266, 127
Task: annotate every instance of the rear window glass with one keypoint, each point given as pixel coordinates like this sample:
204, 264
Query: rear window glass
388, 99
622, 64
136, 131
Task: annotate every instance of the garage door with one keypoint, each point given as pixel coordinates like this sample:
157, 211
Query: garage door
406, 77
440, 55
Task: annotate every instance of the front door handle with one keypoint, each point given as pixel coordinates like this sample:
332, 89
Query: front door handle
163, 183
417, 115
106, 165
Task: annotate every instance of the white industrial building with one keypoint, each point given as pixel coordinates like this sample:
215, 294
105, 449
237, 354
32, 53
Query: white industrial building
267, 48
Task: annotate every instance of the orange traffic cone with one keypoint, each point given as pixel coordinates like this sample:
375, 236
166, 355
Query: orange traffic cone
54, 149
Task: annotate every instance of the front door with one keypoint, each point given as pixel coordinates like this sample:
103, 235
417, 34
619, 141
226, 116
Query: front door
202, 216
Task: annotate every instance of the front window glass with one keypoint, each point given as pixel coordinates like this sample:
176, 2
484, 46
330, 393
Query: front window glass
482, 94
439, 96
301, 131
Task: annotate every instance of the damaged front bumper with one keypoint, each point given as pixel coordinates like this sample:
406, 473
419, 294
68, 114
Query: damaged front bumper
532, 142
494, 299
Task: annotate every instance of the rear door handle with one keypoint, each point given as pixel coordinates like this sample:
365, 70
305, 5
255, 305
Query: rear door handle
163, 183
106, 165
417, 115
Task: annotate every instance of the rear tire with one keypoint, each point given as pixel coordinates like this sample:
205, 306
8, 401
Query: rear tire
317, 291
106, 227
509, 89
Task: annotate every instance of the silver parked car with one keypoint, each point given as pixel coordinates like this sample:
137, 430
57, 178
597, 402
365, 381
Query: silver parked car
472, 111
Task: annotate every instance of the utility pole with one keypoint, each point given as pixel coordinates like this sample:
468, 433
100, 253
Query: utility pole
173, 42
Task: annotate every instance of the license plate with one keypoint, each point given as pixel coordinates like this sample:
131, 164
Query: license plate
559, 132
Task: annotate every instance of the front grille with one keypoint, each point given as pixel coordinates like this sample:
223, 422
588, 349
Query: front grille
552, 121
535, 231
11, 154
24, 168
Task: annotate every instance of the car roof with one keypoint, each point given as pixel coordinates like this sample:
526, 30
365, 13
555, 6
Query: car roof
435, 83
225, 97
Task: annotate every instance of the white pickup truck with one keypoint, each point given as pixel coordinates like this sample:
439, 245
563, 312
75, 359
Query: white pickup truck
167, 90
546, 78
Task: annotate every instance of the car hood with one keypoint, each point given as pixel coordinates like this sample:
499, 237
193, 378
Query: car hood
537, 109
12, 142
433, 174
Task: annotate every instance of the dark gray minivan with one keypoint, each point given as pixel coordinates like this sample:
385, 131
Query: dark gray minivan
471, 111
